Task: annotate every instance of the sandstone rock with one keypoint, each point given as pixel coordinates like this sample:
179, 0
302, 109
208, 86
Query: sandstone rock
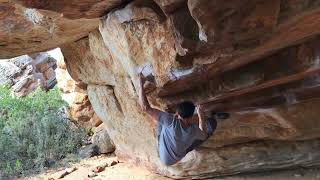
92, 174
27, 84
70, 170
95, 120
58, 175
257, 59
118, 108
98, 169
22, 61
102, 140
168, 6
75, 94
43, 62
61, 174
74, 9
58, 56
25, 74
88, 151
139, 35
8, 71
37, 30
113, 163
79, 57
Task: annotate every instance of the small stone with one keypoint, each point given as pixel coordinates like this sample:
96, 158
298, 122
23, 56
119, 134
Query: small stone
70, 170
92, 174
88, 151
106, 165
98, 169
59, 174
102, 140
113, 163
297, 175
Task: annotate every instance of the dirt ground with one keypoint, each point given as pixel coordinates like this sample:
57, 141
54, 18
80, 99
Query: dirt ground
125, 171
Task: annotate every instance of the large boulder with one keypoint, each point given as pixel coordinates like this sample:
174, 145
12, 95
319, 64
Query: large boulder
27, 30
258, 60
25, 74
75, 94
102, 139
273, 120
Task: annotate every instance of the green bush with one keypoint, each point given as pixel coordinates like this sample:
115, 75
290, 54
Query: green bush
33, 132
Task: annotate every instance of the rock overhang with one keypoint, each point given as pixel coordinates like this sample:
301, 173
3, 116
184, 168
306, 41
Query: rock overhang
258, 60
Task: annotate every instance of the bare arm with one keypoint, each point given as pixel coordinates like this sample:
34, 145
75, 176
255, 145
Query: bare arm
144, 103
202, 122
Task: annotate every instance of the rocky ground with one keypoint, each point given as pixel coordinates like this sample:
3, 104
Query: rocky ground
127, 171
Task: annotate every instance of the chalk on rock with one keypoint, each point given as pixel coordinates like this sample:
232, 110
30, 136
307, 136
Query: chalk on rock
146, 69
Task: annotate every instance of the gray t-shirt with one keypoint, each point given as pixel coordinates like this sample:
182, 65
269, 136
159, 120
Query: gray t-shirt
174, 140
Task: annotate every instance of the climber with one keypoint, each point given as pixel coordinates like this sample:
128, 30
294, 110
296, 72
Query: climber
177, 133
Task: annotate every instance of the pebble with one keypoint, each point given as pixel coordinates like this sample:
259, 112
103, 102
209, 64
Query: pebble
113, 163
61, 174
297, 175
58, 175
98, 169
92, 174
70, 170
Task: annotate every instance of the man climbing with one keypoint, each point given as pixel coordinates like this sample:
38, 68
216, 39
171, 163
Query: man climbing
177, 133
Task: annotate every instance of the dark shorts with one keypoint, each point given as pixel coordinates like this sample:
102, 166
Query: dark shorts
159, 128
212, 125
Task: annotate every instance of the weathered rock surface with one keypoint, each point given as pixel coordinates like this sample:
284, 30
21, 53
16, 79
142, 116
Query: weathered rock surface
74, 9
283, 120
259, 60
102, 140
25, 31
24, 74
75, 94
88, 151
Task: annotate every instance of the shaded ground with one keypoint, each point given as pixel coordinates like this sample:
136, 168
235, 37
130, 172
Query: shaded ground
125, 171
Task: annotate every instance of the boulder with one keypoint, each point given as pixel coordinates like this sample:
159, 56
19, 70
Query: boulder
102, 140
75, 94
8, 71
257, 60
37, 30
88, 151
25, 74
250, 140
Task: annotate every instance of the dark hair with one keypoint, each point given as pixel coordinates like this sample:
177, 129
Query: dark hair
185, 109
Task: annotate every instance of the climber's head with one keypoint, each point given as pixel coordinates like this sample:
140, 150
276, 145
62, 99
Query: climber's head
185, 109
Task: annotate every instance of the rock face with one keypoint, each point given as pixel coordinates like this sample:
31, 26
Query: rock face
75, 94
74, 9
25, 74
102, 140
258, 60
26, 31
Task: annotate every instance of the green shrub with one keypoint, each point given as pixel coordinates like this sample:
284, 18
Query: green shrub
33, 132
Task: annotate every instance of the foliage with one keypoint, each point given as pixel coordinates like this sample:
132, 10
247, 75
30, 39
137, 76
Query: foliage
34, 134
